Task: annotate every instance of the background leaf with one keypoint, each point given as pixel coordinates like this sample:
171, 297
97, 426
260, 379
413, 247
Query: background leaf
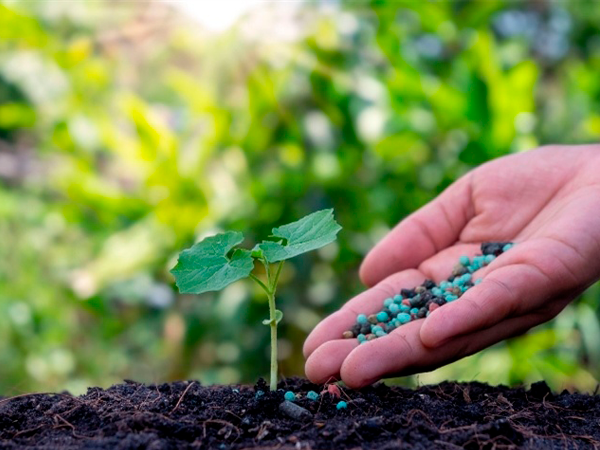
205, 266
309, 233
124, 139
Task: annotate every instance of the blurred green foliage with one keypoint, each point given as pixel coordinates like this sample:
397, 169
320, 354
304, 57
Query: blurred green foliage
127, 132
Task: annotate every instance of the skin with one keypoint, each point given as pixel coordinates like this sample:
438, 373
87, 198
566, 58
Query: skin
546, 200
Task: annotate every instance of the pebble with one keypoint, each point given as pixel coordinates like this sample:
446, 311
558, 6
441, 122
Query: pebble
374, 422
294, 411
348, 335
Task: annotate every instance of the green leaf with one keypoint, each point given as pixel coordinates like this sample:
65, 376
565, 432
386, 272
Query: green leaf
278, 317
206, 267
309, 233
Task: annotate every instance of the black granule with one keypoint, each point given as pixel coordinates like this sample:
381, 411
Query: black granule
493, 248
415, 301
407, 293
428, 284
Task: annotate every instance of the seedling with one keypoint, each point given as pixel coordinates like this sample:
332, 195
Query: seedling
214, 263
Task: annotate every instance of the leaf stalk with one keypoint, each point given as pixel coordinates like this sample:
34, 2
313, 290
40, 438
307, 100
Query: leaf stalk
260, 283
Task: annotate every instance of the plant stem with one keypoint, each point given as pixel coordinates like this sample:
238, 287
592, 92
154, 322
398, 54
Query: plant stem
273, 326
270, 289
272, 317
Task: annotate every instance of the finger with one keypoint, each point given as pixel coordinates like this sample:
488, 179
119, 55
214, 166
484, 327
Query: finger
517, 282
402, 353
375, 359
421, 235
325, 362
367, 302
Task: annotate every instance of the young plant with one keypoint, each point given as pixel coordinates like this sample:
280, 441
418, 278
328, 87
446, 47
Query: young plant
214, 262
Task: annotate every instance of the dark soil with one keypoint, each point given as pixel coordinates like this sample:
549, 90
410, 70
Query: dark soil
185, 415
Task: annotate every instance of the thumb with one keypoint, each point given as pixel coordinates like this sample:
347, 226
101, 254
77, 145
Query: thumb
421, 235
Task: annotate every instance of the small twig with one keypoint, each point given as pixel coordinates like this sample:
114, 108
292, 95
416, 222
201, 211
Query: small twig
451, 430
449, 444
413, 412
220, 422
233, 414
28, 431
182, 395
69, 424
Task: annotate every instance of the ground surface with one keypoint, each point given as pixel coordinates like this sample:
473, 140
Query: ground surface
186, 415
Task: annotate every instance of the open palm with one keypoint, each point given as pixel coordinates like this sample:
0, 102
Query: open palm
547, 201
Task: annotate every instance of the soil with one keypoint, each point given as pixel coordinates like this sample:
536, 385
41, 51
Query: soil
186, 415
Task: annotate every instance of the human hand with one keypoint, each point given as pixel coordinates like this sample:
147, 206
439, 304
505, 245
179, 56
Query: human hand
547, 201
